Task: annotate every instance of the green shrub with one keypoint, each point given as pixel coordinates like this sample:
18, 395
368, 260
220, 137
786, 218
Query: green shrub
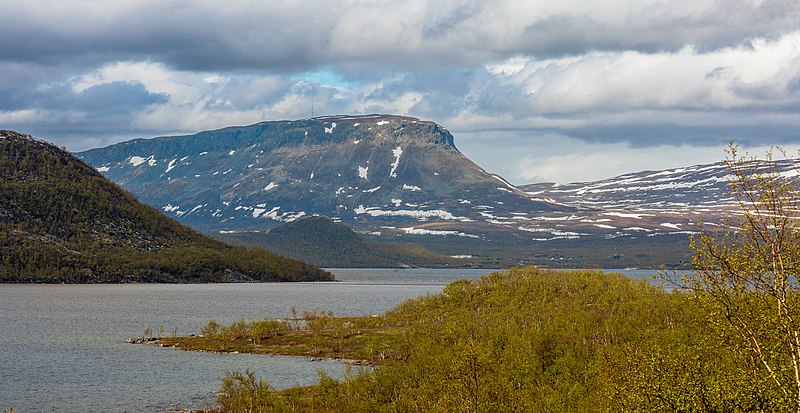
242, 393
211, 329
263, 329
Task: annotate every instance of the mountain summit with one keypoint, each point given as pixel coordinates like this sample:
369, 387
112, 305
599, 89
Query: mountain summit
373, 172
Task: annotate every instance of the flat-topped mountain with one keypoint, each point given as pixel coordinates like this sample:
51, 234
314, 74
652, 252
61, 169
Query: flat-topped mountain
371, 171
394, 178
61, 221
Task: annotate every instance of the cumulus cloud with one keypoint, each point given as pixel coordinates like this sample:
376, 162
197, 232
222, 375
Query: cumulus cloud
748, 93
686, 79
550, 157
279, 35
520, 83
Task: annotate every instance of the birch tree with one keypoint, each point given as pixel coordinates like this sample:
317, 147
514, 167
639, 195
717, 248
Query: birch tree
746, 271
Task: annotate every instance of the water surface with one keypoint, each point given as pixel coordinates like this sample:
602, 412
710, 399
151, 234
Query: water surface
62, 346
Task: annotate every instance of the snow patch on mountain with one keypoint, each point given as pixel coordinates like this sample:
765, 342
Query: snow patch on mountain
604, 226
626, 215
557, 218
171, 165
499, 178
555, 232
195, 209
397, 152
422, 215
637, 229
138, 160
363, 171
422, 231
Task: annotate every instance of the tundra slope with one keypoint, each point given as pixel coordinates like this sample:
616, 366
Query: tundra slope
401, 178
387, 174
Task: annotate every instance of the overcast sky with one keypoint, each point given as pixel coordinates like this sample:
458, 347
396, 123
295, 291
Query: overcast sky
536, 90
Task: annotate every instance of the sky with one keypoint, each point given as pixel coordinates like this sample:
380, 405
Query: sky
535, 90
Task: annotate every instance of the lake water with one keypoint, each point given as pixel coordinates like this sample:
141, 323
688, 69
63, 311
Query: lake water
62, 347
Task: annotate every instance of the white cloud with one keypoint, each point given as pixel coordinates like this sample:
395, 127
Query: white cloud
575, 161
686, 79
207, 100
182, 87
525, 86
22, 116
279, 35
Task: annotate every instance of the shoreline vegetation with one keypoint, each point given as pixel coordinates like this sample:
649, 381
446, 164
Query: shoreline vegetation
367, 341
527, 339
726, 339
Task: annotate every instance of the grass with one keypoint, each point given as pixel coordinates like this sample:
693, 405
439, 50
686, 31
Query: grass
369, 342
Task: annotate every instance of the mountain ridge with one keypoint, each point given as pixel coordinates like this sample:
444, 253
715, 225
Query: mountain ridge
321, 242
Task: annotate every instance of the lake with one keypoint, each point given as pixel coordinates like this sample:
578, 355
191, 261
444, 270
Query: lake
62, 347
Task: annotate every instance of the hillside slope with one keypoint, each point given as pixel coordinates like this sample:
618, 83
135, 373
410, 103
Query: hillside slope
61, 221
324, 243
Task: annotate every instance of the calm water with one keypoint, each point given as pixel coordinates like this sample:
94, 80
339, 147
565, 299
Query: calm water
62, 346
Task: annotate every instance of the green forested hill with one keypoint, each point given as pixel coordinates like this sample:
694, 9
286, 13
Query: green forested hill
322, 242
61, 221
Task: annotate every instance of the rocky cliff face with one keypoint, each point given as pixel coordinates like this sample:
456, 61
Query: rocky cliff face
388, 173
